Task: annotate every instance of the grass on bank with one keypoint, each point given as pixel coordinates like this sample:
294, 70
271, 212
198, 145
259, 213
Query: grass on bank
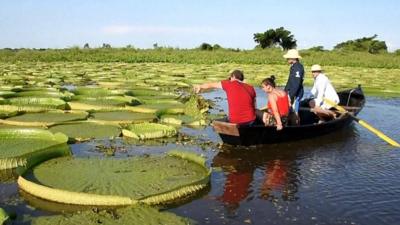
195, 56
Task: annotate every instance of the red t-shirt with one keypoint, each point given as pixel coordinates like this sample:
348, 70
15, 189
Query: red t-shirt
241, 99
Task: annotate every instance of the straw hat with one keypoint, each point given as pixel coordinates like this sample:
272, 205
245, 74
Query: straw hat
292, 54
316, 67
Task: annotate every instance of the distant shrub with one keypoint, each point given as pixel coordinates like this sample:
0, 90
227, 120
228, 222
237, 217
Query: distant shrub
365, 44
216, 47
317, 49
206, 46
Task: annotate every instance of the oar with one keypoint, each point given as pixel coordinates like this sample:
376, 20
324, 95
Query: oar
364, 124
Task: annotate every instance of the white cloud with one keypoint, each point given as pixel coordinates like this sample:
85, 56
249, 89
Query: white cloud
146, 30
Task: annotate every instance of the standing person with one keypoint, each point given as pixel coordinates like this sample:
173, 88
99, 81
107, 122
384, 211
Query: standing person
241, 97
278, 105
322, 89
294, 85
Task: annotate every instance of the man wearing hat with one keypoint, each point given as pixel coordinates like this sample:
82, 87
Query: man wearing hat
322, 89
294, 85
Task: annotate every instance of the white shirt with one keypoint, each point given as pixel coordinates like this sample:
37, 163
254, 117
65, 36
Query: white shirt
323, 89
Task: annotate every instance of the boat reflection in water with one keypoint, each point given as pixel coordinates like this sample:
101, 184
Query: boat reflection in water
254, 174
272, 172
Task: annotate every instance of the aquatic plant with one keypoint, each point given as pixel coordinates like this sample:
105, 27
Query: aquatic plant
130, 215
3, 216
45, 118
148, 131
85, 130
24, 147
92, 181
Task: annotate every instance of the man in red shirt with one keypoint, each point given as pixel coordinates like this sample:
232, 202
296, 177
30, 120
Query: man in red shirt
241, 97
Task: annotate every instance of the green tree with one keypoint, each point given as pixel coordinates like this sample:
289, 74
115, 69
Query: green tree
206, 46
274, 38
365, 44
216, 47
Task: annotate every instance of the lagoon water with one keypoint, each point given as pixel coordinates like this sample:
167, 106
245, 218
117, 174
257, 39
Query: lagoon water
347, 177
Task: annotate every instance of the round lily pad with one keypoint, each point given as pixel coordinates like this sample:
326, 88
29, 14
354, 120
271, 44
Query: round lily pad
50, 103
45, 118
25, 147
149, 131
121, 117
87, 130
127, 216
98, 181
182, 119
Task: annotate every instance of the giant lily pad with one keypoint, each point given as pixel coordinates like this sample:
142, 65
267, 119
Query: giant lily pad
42, 93
107, 100
25, 147
45, 118
175, 108
123, 117
182, 119
50, 103
149, 131
81, 131
4, 113
95, 181
149, 92
155, 100
7, 94
96, 92
131, 215
9, 110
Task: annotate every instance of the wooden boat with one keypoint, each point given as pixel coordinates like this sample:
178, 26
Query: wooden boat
352, 100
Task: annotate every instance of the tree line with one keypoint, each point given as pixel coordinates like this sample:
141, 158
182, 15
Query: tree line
284, 39
279, 38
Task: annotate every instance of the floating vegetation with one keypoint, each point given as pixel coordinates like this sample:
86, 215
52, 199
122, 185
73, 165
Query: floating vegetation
150, 92
126, 93
126, 216
3, 216
145, 131
107, 100
45, 93
49, 103
96, 92
7, 94
24, 147
93, 181
182, 120
8, 112
45, 118
81, 131
123, 117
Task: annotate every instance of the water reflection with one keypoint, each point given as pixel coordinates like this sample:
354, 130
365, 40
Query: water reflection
278, 178
271, 172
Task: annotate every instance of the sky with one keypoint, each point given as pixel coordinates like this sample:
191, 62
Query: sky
188, 23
